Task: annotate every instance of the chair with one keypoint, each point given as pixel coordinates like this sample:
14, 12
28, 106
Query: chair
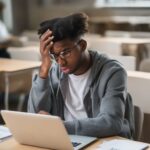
25, 53
111, 33
138, 119
129, 62
106, 47
145, 65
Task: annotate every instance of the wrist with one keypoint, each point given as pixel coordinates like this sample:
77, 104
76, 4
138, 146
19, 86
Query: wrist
43, 72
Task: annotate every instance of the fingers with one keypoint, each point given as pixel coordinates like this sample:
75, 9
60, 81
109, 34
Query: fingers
45, 46
47, 34
46, 42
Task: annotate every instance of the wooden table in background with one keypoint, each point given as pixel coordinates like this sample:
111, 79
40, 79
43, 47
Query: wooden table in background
12, 66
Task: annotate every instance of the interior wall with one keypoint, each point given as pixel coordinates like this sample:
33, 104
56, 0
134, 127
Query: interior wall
27, 14
20, 15
15, 15
46, 9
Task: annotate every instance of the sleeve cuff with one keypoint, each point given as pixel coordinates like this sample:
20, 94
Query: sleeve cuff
42, 83
70, 126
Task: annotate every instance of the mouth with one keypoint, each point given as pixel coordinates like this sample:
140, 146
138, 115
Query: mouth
65, 69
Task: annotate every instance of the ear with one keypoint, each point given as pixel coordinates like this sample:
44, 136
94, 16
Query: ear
83, 45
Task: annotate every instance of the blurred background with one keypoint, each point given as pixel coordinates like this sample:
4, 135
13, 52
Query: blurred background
118, 28
124, 15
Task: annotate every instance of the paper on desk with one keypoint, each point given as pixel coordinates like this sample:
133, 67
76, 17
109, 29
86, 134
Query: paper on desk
4, 132
122, 145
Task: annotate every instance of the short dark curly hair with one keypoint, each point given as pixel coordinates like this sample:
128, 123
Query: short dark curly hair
69, 27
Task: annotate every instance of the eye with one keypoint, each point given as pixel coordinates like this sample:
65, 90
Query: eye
67, 51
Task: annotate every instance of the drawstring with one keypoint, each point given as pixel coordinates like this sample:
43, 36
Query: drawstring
57, 91
59, 76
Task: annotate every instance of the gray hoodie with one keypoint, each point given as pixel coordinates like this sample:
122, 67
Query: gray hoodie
107, 104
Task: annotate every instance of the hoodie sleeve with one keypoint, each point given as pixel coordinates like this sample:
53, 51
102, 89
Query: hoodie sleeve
40, 95
110, 119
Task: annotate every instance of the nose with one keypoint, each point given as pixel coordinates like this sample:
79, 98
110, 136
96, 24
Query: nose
61, 61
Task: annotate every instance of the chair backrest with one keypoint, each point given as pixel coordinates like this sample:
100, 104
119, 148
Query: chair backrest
111, 33
138, 119
129, 62
138, 86
25, 53
104, 46
145, 65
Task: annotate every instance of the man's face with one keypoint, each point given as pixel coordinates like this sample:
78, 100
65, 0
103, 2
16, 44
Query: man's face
69, 55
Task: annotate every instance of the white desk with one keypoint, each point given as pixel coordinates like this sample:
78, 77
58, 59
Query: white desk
138, 87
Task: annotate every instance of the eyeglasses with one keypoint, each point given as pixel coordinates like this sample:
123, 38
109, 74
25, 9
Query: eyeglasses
63, 54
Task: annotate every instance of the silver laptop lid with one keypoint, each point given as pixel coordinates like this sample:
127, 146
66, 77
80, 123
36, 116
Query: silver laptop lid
37, 130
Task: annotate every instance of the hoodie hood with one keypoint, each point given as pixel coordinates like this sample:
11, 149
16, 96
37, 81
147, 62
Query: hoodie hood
99, 62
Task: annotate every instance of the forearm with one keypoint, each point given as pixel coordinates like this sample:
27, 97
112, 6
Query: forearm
102, 126
39, 98
44, 70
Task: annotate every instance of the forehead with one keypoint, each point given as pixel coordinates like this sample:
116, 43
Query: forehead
61, 45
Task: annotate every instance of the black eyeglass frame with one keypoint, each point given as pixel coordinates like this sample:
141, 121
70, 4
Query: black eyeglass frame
63, 54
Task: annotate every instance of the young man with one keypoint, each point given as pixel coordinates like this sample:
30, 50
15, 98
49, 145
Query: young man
86, 89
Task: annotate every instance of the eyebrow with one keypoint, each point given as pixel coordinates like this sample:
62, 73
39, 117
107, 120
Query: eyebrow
65, 49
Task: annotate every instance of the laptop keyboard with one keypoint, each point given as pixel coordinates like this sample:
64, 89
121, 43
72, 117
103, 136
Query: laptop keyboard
75, 144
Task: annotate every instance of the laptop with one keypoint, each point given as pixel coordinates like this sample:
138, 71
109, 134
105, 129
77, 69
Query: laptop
43, 131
